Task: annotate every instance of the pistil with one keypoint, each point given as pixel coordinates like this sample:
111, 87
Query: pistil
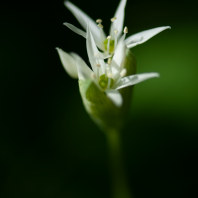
97, 71
108, 44
109, 80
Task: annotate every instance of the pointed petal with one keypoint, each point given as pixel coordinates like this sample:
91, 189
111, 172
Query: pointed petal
141, 37
92, 51
134, 79
68, 63
84, 72
83, 18
120, 52
118, 23
75, 29
114, 96
118, 58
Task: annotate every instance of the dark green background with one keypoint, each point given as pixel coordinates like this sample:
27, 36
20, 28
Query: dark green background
49, 147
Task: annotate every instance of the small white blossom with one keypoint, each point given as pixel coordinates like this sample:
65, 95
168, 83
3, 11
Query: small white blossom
109, 78
108, 46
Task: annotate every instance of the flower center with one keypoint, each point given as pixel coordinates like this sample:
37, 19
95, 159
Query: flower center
103, 82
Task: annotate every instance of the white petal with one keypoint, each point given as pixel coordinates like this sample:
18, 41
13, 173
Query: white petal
93, 52
118, 58
134, 79
83, 18
141, 37
75, 29
114, 96
120, 52
84, 72
118, 23
68, 63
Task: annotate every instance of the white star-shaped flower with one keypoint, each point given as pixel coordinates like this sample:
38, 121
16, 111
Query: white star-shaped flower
108, 78
108, 44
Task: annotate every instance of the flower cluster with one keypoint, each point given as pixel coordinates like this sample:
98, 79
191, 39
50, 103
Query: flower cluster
112, 69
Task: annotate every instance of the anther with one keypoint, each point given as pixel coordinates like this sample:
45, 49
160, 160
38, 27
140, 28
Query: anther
113, 19
123, 73
100, 25
116, 31
125, 30
98, 65
99, 21
108, 37
108, 44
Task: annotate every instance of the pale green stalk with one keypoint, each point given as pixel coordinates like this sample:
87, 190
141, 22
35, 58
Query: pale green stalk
120, 187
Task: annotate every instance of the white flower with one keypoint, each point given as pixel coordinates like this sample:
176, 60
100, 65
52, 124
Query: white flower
108, 78
108, 44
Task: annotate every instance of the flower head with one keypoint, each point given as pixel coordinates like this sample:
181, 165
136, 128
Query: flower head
102, 86
108, 44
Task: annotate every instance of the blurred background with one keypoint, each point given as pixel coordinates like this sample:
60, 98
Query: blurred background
50, 148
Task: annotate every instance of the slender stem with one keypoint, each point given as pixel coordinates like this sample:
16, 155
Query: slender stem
120, 187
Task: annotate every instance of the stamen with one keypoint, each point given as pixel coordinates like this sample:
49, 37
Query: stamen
106, 70
108, 44
123, 72
116, 31
113, 19
100, 25
125, 31
109, 80
108, 37
97, 71
109, 61
99, 21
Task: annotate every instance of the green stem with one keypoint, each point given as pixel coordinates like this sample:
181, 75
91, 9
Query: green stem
120, 187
